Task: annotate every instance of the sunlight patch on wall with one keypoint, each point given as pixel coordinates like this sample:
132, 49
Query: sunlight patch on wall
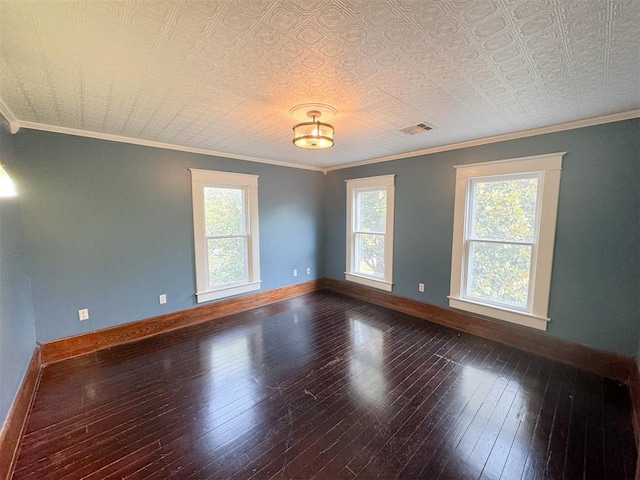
7, 187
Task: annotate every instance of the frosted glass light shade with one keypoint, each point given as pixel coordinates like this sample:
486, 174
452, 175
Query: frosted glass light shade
313, 135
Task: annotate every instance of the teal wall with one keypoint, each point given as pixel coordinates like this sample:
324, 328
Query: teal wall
596, 283
17, 326
109, 227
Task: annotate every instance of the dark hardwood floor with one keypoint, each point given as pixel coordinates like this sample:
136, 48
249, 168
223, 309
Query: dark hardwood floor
324, 386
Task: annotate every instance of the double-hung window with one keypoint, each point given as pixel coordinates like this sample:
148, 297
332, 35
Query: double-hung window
370, 231
504, 231
226, 240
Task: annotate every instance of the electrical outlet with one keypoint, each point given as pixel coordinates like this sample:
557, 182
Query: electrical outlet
83, 314
421, 287
295, 272
308, 270
162, 298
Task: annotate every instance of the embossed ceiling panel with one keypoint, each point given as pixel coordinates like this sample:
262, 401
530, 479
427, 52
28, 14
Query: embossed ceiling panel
222, 75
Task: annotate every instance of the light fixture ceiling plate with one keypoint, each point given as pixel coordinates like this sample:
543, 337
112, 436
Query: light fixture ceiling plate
300, 112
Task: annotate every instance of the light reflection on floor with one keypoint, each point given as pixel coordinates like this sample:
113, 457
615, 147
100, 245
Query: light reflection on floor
366, 363
240, 377
231, 388
483, 414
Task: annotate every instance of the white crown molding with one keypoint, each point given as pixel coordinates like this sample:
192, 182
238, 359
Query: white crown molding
5, 111
151, 143
16, 124
588, 122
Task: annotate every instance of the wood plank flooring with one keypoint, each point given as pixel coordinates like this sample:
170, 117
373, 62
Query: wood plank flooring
328, 387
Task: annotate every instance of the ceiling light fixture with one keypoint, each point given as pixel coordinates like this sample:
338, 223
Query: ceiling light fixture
314, 134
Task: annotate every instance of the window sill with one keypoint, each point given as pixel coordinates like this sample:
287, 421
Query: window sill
227, 292
512, 316
369, 282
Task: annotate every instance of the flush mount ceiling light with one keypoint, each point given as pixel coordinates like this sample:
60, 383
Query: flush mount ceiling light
313, 134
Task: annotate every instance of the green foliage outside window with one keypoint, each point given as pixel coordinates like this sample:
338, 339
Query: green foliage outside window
503, 211
226, 235
371, 219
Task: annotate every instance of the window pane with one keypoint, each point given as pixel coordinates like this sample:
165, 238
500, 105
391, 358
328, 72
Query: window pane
227, 260
371, 211
505, 210
369, 254
499, 273
224, 211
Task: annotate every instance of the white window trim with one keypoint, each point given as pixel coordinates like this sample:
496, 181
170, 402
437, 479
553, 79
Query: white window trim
210, 178
549, 167
387, 181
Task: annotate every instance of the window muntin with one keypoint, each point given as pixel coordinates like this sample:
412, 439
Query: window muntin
226, 237
504, 232
370, 231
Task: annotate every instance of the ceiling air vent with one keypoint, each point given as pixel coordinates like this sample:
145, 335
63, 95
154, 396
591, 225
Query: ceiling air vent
415, 129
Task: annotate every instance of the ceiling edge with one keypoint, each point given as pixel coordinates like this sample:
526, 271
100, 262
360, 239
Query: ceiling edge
6, 112
588, 122
151, 143
16, 124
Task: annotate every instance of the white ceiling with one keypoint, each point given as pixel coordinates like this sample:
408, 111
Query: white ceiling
222, 75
